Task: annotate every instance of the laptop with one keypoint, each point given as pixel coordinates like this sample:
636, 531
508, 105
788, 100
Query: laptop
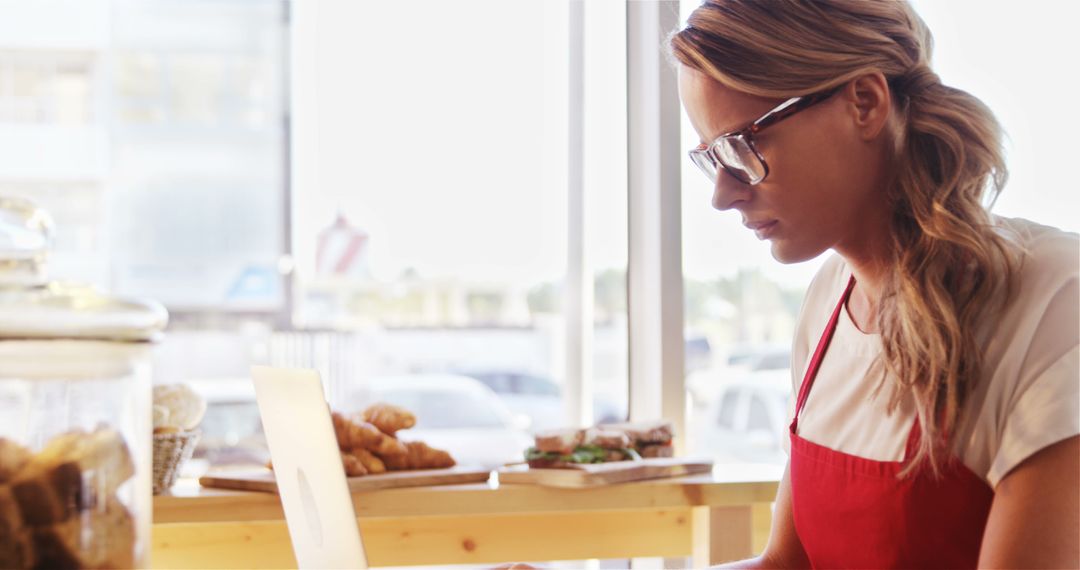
307, 466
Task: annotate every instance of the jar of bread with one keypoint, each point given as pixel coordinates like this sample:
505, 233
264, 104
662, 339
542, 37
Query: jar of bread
75, 382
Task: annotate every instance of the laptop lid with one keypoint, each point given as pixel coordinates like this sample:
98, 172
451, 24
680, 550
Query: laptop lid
307, 466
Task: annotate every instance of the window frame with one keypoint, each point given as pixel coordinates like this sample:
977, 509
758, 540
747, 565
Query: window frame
655, 278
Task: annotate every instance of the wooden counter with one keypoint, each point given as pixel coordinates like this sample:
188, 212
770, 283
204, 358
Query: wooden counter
713, 518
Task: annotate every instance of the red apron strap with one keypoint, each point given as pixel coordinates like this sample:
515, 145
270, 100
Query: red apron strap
819, 354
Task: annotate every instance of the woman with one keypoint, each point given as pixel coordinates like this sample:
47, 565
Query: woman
936, 359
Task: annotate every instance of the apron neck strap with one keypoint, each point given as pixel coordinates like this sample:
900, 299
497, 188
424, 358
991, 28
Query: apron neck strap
819, 353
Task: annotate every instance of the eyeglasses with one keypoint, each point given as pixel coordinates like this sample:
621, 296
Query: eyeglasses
736, 152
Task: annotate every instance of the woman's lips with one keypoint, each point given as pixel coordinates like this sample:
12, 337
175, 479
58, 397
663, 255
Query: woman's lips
762, 229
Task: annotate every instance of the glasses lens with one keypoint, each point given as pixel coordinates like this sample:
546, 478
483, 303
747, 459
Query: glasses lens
704, 161
741, 160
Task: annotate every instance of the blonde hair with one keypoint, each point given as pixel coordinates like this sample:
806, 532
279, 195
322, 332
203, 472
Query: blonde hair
951, 268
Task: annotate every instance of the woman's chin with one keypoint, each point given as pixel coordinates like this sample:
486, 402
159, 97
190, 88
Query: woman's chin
787, 252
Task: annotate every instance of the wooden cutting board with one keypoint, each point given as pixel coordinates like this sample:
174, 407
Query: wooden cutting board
264, 480
598, 474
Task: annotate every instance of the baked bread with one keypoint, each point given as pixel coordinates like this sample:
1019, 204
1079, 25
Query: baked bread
607, 439
353, 466
420, 456
561, 441
657, 450
388, 418
373, 464
160, 414
73, 472
353, 434
48, 494
423, 456
110, 542
644, 433
13, 457
185, 406
11, 520
16, 548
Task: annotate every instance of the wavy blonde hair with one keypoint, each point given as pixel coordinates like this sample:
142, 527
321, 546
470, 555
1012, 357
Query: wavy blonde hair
950, 267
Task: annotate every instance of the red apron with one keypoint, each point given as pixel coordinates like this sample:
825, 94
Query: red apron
852, 512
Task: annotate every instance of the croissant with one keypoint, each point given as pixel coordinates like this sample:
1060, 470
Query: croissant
354, 466
420, 456
373, 464
389, 418
362, 435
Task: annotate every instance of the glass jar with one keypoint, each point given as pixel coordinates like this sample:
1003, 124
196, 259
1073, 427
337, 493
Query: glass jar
75, 391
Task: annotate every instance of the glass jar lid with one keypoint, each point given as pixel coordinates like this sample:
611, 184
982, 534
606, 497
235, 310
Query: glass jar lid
66, 311
25, 237
33, 308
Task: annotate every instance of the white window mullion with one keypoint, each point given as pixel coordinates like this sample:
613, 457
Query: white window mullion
579, 272
655, 280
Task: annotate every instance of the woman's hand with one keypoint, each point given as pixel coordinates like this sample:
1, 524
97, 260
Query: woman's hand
1035, 518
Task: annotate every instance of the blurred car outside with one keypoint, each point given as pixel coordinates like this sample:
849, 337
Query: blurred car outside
540, 399
754, 362
746, 422
698, 353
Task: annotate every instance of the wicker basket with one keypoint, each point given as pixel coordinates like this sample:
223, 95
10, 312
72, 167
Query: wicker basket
171, 450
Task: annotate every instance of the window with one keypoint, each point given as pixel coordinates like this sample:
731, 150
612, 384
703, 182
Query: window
1014, 80
46, 88
758, 419
500, 383
371, 227
197, 134
774, 361
433, 219
728, 408
445, 409
534, 385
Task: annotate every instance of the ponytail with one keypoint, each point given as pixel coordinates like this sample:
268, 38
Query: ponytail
951, 265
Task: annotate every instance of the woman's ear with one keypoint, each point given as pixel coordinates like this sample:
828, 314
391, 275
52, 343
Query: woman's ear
870, 102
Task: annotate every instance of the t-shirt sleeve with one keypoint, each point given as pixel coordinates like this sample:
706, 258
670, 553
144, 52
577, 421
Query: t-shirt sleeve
1047, 412
1045, 408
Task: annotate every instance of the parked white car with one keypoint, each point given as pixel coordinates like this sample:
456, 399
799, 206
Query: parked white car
743, 363
747, 421
541, 399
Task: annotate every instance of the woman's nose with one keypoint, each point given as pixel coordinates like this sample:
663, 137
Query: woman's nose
729, 191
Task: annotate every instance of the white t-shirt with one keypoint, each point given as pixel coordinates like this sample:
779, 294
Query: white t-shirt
1028, 398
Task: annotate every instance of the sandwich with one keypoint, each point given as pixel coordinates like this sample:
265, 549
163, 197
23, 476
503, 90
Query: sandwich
563, 449
648, 439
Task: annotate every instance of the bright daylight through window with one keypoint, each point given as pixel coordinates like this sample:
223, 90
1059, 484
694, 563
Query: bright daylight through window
297, 198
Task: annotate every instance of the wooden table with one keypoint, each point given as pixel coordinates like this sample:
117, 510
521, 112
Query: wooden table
712, 518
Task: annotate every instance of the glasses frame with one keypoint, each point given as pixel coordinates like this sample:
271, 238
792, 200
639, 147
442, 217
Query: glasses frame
746, 134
